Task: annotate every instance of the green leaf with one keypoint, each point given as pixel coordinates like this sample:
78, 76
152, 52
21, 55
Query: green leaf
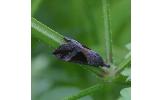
125, 94
127, 72
128, 46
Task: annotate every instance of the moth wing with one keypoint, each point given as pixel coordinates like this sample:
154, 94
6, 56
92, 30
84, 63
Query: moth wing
79, 58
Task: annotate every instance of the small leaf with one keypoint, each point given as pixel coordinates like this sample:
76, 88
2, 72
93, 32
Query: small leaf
127, 55
125, 94
127, 72
128, 46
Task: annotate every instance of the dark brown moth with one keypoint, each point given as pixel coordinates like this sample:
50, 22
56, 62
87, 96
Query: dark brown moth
73, 51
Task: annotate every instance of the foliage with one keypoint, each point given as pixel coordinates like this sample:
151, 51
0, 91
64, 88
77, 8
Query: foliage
127, 72
82, 20
125, 94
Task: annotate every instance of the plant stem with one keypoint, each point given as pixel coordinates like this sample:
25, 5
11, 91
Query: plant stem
99, 72
85, 92
107, 31
123, 64
46, 34
49, 36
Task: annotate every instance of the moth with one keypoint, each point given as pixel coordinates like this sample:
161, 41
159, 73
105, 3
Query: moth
73, 51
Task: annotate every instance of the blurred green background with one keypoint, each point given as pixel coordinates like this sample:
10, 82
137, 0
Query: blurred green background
82, 20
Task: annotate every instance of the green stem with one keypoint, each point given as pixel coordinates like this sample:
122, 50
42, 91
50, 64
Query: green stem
123, 64
53, 38
46, 34
85, 92
107, 31
99, 72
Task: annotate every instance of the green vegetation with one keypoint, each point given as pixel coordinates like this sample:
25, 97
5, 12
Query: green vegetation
104, 26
